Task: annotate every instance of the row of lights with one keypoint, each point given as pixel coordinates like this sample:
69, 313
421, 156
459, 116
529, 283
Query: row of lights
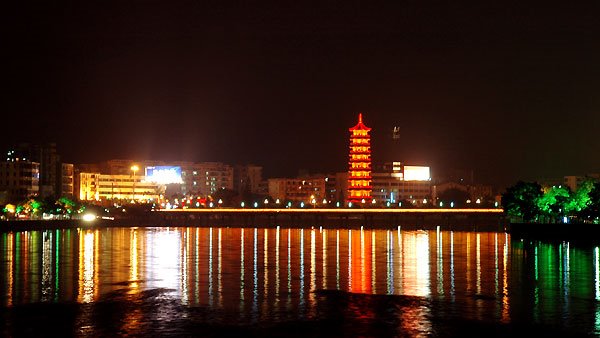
302, 204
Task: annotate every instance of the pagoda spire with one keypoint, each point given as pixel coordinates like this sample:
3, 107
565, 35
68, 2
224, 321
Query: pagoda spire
359, 165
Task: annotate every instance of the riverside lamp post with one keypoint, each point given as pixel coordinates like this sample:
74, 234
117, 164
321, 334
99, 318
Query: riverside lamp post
134, 168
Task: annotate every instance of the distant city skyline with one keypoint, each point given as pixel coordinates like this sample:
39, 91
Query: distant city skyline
509, 91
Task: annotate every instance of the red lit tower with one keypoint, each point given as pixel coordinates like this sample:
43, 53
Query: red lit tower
359, 171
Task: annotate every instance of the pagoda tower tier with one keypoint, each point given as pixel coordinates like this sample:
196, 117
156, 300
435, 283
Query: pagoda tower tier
359, 166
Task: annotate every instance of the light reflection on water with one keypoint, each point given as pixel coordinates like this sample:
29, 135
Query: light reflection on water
273, 274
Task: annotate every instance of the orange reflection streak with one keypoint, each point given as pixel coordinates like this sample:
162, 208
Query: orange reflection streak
478, 263
25, 265
416, 264
134, 261
400, 262
478, 303
86, 267
277, 286
373, 263
337, 259
468, 261
10, 272
220, 269
324, 255
265, 270
242, 286
313, 268
133, 318
505, 298
350, 260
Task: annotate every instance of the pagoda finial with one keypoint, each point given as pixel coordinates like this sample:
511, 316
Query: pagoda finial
359, 117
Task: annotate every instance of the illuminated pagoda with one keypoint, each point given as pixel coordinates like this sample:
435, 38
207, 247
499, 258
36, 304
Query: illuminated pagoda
359, 172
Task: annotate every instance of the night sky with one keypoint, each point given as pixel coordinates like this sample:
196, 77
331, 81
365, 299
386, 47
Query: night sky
511, 91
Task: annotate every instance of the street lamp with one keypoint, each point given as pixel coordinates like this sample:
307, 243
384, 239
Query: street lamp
134, 168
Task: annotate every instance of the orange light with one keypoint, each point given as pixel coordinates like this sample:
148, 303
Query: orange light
359, 181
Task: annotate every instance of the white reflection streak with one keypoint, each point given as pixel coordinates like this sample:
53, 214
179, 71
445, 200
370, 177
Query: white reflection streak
440, 262
184, 268
46, 265
313, 268
265, 269
390, 264
220, 269
88, 267
242, 269
362, 260
400, 264
350, 260
301, 300
597, 274
165, 259
496, 282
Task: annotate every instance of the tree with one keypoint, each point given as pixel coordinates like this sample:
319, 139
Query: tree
520, 200
592, 209
580, 199
553, 203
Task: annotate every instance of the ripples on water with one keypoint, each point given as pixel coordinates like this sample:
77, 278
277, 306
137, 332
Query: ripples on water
293, 282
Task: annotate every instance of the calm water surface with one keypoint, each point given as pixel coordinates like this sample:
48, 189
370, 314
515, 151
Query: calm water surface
294, 282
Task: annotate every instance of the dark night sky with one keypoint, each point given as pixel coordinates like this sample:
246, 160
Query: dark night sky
509, 90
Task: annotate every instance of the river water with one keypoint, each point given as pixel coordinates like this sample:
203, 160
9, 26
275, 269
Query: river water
294, 282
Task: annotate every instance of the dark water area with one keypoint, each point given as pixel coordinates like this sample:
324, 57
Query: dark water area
294, 283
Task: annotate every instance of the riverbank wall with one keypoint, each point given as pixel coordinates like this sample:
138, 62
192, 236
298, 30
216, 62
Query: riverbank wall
351, 219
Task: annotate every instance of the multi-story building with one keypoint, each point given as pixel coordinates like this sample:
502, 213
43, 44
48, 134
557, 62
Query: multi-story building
397, 182
19, 179
197, 179
331, 189
298, 189
341, 186
206, 178
573, 182
247, 178
68, 180
102, 187
50, 166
